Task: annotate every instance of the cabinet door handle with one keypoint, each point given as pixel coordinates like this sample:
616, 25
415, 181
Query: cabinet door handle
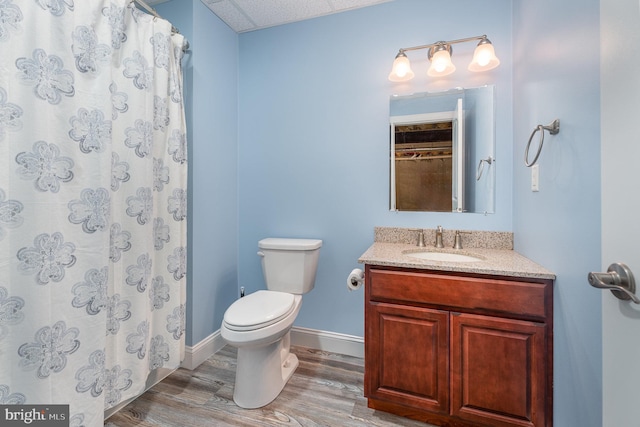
618, 279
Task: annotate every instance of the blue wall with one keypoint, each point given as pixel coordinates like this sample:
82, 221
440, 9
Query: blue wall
556, 75
290, 138
211, 82
314, 135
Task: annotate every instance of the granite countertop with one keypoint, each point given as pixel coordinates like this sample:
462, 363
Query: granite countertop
501, 262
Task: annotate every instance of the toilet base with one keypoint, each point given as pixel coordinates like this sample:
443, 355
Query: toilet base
262, 372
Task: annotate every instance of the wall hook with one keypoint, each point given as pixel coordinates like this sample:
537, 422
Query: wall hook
553, 129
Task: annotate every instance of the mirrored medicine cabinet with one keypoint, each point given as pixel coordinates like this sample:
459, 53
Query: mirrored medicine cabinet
443, 151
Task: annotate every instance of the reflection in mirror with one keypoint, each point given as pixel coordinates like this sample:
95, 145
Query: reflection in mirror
423, 157
442, 151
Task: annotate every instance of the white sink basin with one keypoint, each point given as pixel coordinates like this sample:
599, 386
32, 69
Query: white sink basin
442, 256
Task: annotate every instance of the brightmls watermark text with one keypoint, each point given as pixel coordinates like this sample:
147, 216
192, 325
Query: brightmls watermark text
34, 415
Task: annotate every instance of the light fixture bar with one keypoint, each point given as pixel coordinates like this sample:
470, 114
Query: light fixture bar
484, 58
427, 46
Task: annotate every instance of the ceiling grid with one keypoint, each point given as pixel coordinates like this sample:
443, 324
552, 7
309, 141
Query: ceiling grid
250, 15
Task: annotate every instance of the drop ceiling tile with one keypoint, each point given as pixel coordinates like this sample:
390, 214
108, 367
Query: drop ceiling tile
231, 15
275, 12
249, 15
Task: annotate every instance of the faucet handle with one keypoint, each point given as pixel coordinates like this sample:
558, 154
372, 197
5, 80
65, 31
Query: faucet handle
439, 243
457, 241
420, 236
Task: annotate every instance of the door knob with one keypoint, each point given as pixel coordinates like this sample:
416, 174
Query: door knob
618, 279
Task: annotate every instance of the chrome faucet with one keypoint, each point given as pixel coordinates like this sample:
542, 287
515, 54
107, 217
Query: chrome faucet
439, 243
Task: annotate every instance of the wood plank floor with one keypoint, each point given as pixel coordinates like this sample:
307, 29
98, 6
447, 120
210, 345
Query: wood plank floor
326, 390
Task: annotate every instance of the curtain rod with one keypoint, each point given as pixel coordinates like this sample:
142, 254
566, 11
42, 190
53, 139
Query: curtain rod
147, 8
152, 11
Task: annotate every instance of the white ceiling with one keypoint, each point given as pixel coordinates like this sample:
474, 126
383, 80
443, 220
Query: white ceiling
249, 15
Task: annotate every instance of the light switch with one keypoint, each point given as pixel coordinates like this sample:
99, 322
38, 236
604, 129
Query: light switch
535, 177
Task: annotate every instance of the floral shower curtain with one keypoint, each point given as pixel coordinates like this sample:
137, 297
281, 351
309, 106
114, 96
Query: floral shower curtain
93, 196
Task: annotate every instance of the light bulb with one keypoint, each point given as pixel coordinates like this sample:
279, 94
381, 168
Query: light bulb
402, 67
484, 57
441, 64
401, 70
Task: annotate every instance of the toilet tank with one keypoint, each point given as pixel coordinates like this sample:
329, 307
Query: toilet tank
289, 265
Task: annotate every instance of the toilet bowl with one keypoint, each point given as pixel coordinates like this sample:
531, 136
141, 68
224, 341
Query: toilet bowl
259, 324
265, 363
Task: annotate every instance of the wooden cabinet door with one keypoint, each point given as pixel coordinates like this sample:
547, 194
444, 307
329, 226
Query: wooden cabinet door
498, 370
407, 356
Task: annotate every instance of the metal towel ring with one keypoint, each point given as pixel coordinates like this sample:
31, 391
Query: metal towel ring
553, 129
488, 160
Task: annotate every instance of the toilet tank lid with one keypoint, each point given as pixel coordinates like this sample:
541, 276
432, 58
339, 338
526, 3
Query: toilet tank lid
289, 244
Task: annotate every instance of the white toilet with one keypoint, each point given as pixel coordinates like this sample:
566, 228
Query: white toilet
259, 323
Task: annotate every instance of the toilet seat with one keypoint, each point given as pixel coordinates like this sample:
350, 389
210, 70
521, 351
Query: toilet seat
258, 310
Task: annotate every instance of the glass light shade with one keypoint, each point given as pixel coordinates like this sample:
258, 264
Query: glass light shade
401, 70
441, 64
484, 57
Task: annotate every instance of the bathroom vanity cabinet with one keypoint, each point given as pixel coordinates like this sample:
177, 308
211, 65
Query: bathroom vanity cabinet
459, 349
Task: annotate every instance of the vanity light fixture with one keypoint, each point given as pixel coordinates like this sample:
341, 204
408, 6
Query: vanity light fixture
484, 58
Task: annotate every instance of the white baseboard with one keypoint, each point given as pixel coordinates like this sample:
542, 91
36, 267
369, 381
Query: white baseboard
333, 342
195, 355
